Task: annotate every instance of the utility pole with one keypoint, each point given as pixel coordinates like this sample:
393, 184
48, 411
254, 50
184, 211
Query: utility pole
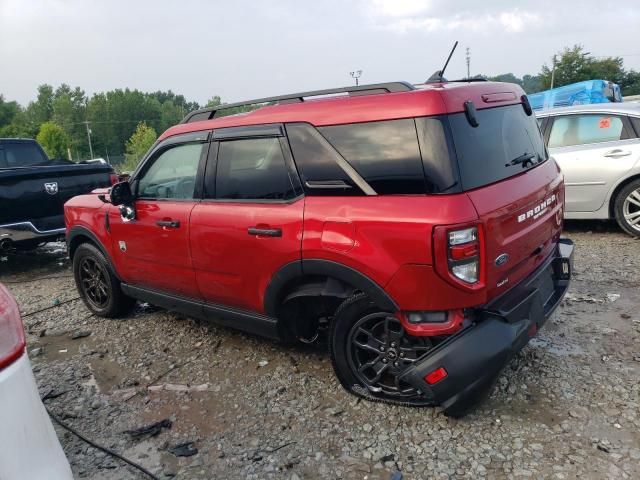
553, 72
468, 63
86, 124
356, 75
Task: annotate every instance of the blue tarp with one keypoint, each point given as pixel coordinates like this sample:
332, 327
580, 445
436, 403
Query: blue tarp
590, 91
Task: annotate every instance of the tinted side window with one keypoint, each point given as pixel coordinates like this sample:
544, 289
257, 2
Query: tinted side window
584, 129
252, 169
317, 162
386, 154
438, 157
636, 125
172, 174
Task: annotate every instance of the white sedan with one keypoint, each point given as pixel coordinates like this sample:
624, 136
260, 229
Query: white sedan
598, 149
29, 447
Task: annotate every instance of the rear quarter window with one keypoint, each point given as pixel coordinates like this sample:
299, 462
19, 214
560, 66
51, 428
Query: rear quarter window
386, 154
571, 130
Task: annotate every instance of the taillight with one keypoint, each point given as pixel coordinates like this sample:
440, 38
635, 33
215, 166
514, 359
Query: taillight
464, 254
113, 178
459, 256
12, 341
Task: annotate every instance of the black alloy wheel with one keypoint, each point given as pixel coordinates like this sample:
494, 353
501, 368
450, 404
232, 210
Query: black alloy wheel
370, 350
94, 282
97, 284
380, 351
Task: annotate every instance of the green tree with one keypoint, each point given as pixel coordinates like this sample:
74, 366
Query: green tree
8, 111
41, 110
506, 77
532, 83
139, 143
630, 85
54, 140
575, 65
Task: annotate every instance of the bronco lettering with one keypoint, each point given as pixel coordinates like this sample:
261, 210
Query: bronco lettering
537, 210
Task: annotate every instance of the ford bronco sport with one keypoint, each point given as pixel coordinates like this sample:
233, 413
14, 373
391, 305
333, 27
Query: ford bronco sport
419, 225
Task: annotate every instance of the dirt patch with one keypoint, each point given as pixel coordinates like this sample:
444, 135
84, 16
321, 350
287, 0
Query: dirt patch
566, 407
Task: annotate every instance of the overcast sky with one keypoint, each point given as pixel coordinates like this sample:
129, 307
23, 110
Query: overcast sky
241, 49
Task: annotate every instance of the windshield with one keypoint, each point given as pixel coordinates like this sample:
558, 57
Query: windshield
505, 143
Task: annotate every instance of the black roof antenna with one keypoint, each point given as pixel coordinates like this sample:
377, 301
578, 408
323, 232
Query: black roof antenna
438, 75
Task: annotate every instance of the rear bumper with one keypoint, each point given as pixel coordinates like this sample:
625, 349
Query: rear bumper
17, 232
474, 357
29, 447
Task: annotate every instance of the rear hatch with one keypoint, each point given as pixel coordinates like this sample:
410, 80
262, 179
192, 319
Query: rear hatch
516, 189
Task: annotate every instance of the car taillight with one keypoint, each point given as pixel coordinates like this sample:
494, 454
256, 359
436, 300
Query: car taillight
113, 178
459, 254
12, 340
464, 254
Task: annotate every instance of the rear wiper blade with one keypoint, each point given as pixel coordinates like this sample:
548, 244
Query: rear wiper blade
524, 159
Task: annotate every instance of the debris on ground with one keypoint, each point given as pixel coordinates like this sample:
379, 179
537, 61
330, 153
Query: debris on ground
150, 430
186, 449
80, 334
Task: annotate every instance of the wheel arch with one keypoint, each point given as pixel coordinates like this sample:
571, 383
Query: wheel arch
79, 235
616, 192
295, 276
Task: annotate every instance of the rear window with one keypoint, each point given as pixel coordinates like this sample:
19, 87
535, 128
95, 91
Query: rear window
488, 153
21, 154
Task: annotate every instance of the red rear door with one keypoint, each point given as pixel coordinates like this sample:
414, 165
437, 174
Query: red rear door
250, 224
237, 247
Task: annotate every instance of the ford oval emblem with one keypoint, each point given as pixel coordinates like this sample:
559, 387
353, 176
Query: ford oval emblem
502, 259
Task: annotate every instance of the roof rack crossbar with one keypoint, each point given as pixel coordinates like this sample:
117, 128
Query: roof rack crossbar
208, 113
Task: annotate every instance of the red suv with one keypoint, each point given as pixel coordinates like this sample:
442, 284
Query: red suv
419, 225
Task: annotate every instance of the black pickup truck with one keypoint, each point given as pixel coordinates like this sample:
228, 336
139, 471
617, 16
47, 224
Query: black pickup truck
34, 188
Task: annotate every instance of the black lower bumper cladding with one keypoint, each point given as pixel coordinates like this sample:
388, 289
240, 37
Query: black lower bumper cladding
474, 357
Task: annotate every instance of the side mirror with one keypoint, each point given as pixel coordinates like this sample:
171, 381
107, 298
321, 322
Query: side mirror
120, 194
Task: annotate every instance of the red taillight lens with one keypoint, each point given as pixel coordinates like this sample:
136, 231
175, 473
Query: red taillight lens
458, 255
12, 340
113, 178
435, 376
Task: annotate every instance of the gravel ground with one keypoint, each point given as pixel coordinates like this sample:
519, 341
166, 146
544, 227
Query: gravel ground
566, 407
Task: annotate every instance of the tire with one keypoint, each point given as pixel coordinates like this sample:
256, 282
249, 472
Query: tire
627, 208
360, 314
98, 285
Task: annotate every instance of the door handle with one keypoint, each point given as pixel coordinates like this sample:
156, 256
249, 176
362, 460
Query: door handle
265, 232
168, 223
617, 153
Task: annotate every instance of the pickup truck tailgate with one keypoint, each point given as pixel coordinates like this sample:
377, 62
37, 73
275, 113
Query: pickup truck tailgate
38, 193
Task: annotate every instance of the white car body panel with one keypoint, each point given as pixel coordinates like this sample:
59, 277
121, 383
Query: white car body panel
29, 447
594, 171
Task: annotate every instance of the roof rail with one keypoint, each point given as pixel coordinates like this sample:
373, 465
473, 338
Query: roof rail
208, 113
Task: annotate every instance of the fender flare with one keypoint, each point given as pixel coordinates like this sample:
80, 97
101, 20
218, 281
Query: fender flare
348, 275
78, 231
